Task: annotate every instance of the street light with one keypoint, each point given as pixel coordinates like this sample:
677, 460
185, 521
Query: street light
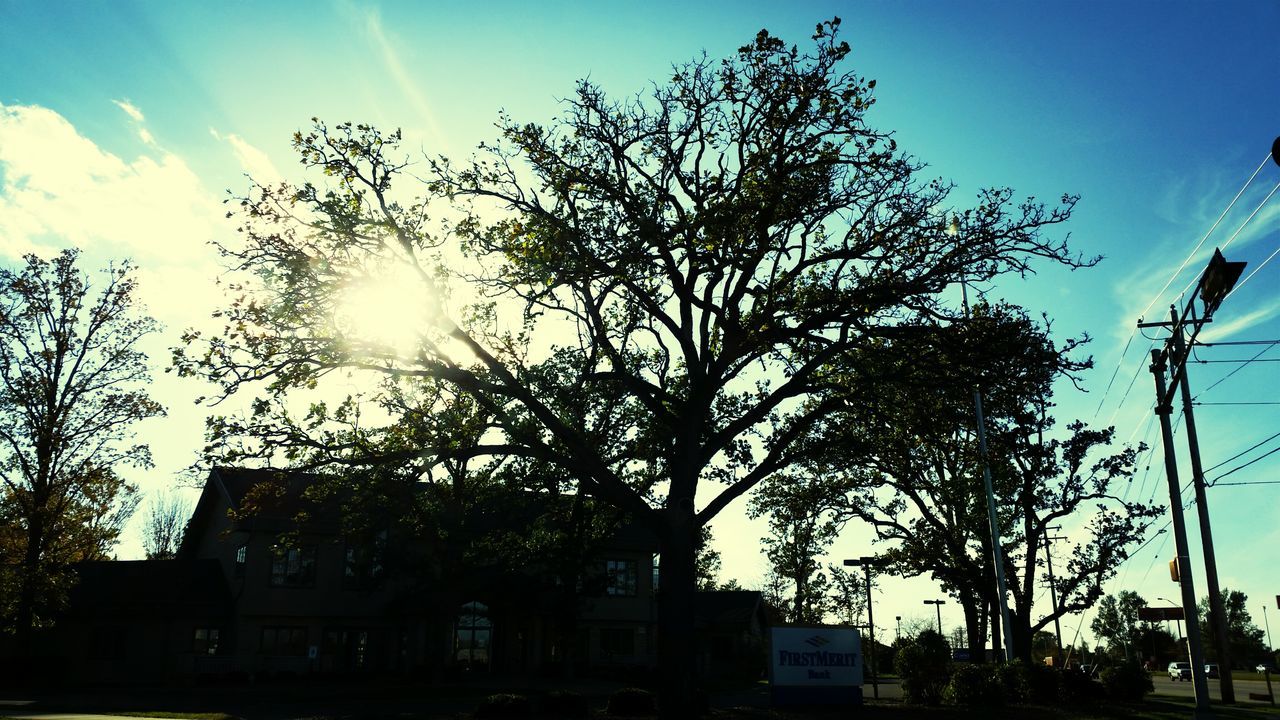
938, 604
865, 563
1177, 620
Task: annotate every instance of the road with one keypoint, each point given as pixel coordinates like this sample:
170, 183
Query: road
1185, 688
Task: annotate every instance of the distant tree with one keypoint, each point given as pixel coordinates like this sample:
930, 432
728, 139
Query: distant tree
801, 528
1116, 623
707, 251
904, 455
72, 385
707, 565
1247, 641
847, 599
166, 521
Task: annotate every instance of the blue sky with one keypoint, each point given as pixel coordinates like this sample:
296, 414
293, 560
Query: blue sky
123, 124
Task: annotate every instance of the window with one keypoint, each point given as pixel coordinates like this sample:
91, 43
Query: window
242, 555
618, 641
205, 641
653, 581
472, 637
363, 567
293, 567
620, 577
283, 641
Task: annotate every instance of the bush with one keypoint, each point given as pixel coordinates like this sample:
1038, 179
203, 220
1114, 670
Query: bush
1044, 684
1127, 682
924, 664
504, 705
631, 701
974, 686
1014, 680
565, 704
1077, 689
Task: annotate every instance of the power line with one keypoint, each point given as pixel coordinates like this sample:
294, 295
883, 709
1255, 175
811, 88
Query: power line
1246, 451
1261, 457
1252, 482
1207, 234
1259, 402
1244, 365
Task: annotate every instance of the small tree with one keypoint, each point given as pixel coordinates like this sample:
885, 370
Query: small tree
167, 517
72, 386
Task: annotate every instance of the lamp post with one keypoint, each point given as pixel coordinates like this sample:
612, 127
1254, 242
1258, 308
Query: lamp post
1177, 621
897, 635
865, 563
938, 606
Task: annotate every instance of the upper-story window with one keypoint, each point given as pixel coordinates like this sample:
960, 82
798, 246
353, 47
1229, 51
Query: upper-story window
656, 574
293, 566
205, 641
363, 567
620, 577
242, 556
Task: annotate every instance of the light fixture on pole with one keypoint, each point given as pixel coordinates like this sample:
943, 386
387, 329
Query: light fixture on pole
1177, 620
938, 606
865, 563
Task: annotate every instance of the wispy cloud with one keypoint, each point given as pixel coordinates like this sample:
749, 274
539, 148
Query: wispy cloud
1218, 331
410, 89
130, 109
253, 161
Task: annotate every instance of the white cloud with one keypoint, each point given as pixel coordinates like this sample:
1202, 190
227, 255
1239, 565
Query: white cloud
255, 162
59, 188
130, 109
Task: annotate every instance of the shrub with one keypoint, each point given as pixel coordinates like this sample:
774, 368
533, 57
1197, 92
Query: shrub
504, 705
1044, 684
974, 686
1127, 682
1077, 689
631, 701
565, 704
1014, 680
924, 664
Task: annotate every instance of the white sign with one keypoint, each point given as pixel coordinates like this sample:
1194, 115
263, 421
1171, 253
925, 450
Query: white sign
815, 657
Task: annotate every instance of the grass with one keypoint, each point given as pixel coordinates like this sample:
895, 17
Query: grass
175, 715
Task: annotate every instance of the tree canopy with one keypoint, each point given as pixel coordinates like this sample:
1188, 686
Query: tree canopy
72, 387
683, 266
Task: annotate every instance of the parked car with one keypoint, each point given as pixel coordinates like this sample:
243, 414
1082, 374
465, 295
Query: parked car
1179, 671
1263, 667
1211, 670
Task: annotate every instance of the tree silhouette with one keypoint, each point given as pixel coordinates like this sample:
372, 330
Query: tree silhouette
72, 386
693, 260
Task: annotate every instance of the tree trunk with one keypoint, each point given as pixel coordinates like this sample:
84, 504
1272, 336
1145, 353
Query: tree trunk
29, 577
973, 629
677, 650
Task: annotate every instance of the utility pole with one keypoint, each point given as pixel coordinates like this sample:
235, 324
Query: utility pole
1196, 652
1053, 592
1217, 612
938, 606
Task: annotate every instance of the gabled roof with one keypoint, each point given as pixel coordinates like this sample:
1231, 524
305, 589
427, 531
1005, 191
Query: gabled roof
167, 588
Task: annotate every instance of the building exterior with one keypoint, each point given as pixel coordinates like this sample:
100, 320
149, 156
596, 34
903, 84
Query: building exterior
259, 595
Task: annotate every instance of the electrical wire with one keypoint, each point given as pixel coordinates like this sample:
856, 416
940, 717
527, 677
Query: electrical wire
1181, 267
1261, 457
1255, 271
1260, 402
1206, 236
1253, 482
1223, 379
1246, 451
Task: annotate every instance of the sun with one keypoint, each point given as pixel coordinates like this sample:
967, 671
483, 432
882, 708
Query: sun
388, 308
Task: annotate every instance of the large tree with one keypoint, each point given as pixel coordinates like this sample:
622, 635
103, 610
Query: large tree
700, 255
1247, 640
72, 387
